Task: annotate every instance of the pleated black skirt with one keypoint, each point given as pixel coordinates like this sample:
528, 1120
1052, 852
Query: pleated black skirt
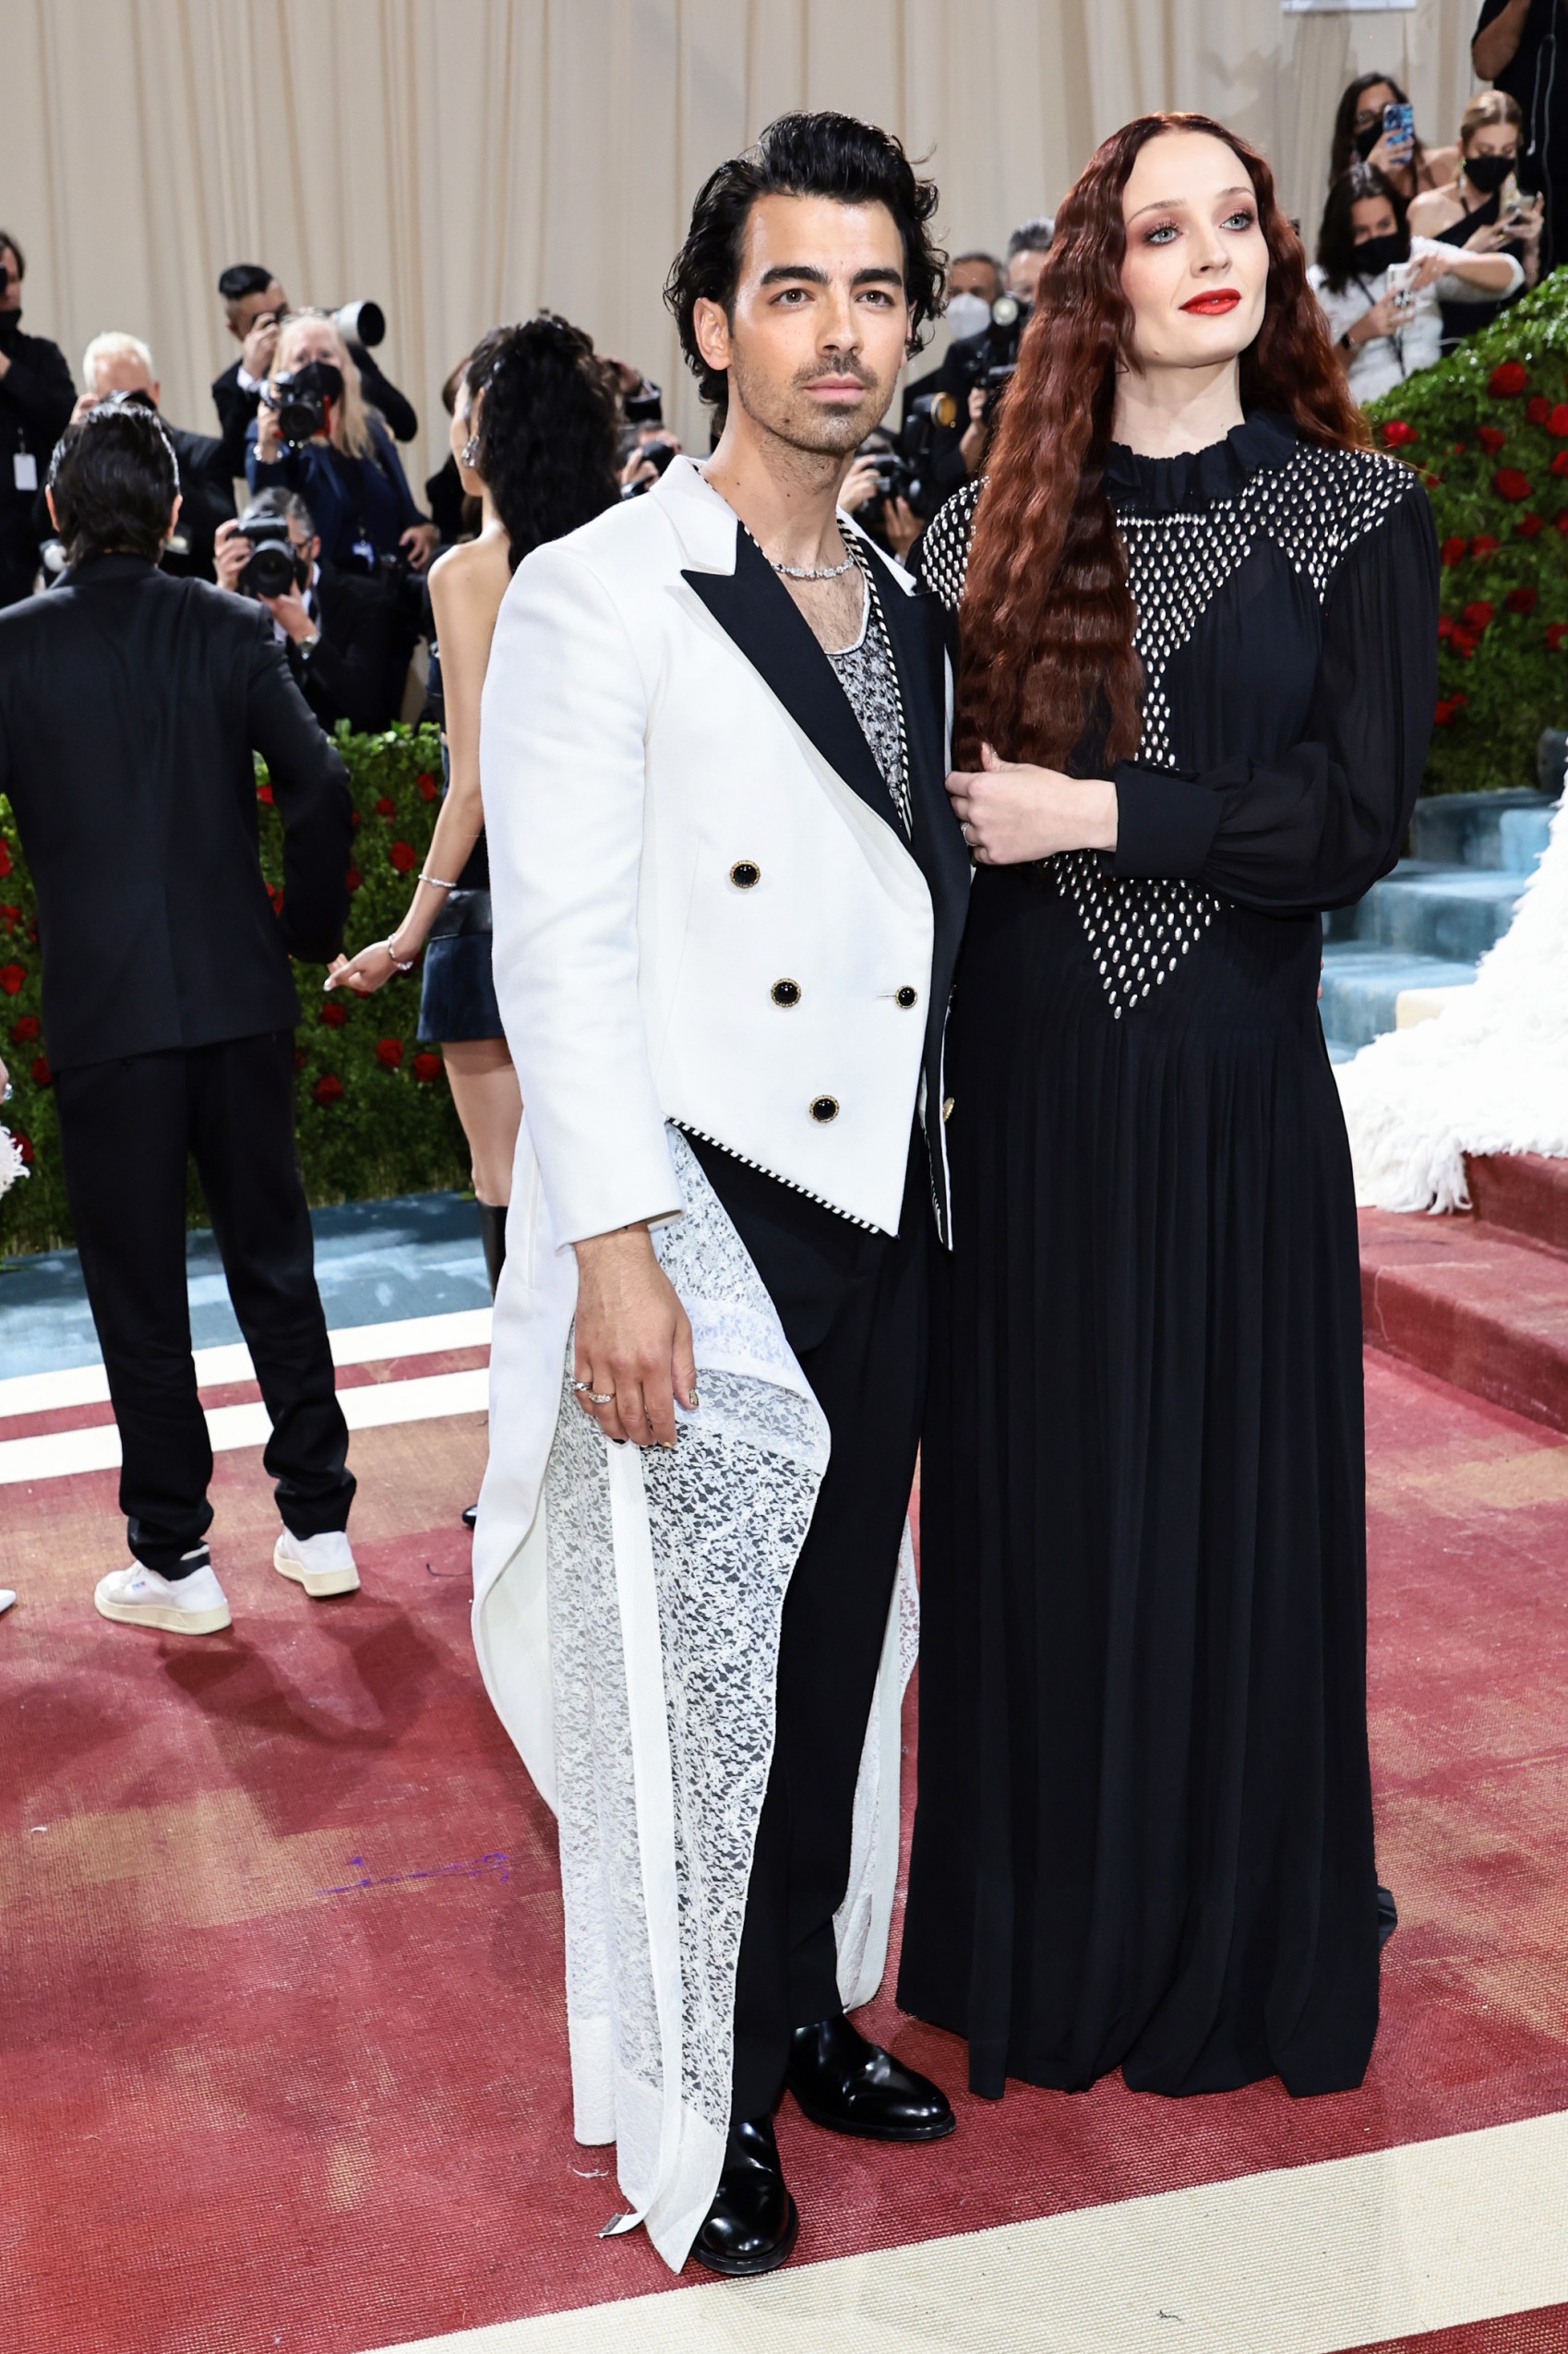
1144, 1837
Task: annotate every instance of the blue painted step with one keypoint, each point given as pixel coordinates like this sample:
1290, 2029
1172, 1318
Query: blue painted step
1487, 830
1362, 979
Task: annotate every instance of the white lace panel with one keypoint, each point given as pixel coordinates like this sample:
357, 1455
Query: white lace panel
1313, 510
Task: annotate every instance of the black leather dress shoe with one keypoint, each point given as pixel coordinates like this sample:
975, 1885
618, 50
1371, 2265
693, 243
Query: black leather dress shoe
752, 2225
853, 2086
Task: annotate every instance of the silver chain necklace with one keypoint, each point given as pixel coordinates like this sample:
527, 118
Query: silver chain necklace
800, 571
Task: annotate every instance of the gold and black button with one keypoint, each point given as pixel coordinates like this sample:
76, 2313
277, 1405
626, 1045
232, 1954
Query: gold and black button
745, 874
947, 1109
823, 1109
906, 997
785, 992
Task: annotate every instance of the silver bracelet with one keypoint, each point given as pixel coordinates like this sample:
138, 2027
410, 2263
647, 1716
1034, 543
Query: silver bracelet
436, 882
397, 960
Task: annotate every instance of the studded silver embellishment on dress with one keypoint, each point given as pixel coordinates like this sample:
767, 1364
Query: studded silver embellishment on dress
1313, 510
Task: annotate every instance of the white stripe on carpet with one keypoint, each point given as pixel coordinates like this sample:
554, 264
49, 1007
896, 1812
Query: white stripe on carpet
1307, 2260
372, 1405
358, 1344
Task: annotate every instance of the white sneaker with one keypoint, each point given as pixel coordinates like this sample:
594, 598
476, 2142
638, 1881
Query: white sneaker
140, 1597
323, 1565
6, 1599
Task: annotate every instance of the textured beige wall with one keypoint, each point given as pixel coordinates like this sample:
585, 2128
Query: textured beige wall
465, 160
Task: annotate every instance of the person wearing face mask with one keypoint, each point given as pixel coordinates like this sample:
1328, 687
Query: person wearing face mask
1197, 618
1518, 47
348, 471
1381, 288
1362, 135
958, 451
1483, 207
36, 397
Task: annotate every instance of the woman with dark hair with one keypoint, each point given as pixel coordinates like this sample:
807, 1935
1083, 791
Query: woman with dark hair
1385, 293
534, 435
1362, 136
1198, 638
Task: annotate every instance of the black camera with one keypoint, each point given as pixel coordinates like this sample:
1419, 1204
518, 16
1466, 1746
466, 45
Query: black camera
645, 405
991, 359
274, 565
302, 399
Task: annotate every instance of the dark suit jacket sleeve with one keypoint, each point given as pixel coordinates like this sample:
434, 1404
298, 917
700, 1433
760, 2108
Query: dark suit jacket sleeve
235, 409
394, 407
38, 386
310, 787
349, 666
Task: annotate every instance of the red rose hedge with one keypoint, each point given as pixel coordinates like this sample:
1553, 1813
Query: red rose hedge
1497, 409
371, 1122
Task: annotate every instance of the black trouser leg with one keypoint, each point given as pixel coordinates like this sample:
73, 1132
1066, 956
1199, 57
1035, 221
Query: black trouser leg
867, 1373
125, 1133
242, 1136
493, 1236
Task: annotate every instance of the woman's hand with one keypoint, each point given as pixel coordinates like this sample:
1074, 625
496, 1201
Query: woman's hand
1013, 812
1426, 271
419, 543
1384, 317
364, 974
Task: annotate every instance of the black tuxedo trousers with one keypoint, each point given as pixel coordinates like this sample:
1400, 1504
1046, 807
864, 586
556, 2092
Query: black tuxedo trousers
853, 1306
126, 1129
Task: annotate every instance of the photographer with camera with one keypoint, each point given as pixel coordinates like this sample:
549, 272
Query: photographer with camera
254, 308
116, 363
339, 632
1380, 288
36, 393
977, 368
131, 709
876, 492
312, 433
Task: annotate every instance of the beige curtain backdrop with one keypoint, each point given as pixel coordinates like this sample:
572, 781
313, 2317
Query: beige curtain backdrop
466, 161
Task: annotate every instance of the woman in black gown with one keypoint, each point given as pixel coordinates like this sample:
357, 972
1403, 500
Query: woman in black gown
1145, 1834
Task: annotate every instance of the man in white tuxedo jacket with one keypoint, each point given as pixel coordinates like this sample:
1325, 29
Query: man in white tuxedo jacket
729, 891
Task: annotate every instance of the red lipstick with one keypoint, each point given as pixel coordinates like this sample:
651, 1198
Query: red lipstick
1215, 305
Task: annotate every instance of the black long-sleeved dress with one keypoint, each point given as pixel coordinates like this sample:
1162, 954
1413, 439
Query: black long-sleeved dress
1144, 1831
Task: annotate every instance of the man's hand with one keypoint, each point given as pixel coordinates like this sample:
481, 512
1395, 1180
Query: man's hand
902, 525
256, 352
1013, 812
289, 610
85, 402
231, 553
976, 433
634, 1339
419, 543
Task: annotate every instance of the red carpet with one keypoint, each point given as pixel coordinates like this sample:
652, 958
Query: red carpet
279, 1935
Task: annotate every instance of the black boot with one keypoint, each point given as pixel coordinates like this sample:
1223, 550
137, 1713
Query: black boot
493, 1236
752, 2225
853, 2086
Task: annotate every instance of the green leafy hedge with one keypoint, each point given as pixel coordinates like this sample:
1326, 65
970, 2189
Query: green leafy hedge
375, 1114
1488, 427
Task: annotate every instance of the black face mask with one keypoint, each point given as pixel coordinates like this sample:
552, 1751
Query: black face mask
1375, 255
1365, 140
1488, 171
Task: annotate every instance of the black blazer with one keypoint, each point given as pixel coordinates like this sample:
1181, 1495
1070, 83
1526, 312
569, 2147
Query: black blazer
130, 705
207, 500
354, 671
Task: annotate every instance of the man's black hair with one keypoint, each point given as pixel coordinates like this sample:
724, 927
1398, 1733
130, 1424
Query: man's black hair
115, 481
7, 239
803, 155
1032, 236
243, 277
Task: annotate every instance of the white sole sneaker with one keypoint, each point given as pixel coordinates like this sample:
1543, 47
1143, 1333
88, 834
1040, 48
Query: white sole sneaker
340, 1578
166, 1617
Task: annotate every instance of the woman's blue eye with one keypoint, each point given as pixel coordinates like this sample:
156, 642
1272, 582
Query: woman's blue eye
1240, 221
1163, 234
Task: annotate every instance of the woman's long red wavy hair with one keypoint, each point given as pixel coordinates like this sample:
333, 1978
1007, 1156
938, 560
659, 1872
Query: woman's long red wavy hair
1047, 615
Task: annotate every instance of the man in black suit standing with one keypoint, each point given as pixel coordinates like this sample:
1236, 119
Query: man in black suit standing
254, 308
116, 363
340, 633
130, 706
36, 393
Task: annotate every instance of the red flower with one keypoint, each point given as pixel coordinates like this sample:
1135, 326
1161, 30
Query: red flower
1463, 644
1396, 434
1559, 463
12, 977
403, 857
354, 817
1559, 521
385, 808
24, 1145
352, 878
264, 793
1537, 408
275, 893
427, 786
5, 856
10, 917
1484, 545
1445, 624
426, 1067
41, 1074
1477, 616
1528, 526
328, 1087
24, 1028
1522, 600
1457, 449
1508, 379
1491, 436
1443, 713
1454, 550
1557, 422
389, 1052
333, 1015
299, 1058
1509, 483
1555, 633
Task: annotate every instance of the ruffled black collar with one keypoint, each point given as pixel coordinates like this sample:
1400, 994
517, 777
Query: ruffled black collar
1199, 478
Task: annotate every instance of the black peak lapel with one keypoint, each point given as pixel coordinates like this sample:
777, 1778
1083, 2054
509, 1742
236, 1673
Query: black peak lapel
753, 608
